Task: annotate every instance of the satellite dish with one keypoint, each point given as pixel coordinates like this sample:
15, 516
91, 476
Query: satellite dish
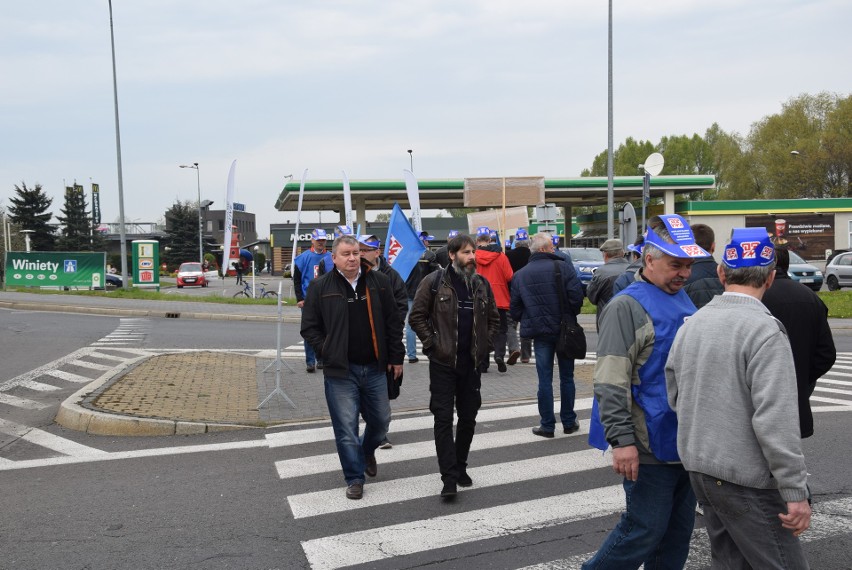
628, 228
654, 164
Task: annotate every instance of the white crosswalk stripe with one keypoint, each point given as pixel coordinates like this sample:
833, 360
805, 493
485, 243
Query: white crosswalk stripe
130, 332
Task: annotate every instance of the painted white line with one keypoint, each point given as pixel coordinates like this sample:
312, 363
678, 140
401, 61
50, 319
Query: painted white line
831, 401
32, 374
284, 438
831, 408
47, 440
90, 365
835, 382
69, 376
833, 391
829, 519
833, 373
104, 356
38, 386
328, 462
399, 490
98, 455
441, 532
17, 402
841, 367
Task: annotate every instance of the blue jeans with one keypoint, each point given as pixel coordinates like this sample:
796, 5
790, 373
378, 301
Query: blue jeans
365, 390
310, 355
410, 337
657, 525
743, 526
545, 349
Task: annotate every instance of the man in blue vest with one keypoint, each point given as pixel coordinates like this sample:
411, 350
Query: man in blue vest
305, 269
631, 411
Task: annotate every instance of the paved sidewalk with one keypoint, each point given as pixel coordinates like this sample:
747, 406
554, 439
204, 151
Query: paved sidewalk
212, 390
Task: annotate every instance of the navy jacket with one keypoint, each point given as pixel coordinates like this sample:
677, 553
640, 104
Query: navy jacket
534, 295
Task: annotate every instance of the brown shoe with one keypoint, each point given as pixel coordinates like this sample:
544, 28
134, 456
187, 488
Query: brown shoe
355, 491
371, 469
513, 358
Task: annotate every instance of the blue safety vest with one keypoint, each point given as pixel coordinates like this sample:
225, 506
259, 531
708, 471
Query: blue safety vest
667, 313
308, 264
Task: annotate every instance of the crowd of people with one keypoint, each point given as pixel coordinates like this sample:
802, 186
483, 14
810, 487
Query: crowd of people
701, 382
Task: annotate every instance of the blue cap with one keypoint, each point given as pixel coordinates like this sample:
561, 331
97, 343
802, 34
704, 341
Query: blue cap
424, 236
493, 235
555, 239
522, 234
483, 231
508, 243
369, 240
637, 249
684, 246
342, 230
749, 247
319, 233
452, 234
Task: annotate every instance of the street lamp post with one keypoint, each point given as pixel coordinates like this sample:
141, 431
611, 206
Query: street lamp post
200, 223
411, 159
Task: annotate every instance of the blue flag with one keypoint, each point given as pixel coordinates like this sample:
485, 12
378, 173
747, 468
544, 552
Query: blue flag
403, 247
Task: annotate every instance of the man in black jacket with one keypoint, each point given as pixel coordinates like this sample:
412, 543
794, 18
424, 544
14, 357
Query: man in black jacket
351, 320
455, 316
519, 256
805, 317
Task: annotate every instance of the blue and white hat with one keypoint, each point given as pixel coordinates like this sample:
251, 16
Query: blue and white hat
319, 233
424, 236
342, 230
749, 247
452, 234
369, 241
555, 239
493, 235
522, 234
684, 246
637, 249
483, 231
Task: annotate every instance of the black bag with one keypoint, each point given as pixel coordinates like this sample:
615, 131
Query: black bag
393, 385
572, 339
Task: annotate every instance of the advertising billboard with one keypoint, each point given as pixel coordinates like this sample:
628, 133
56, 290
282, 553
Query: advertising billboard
809, 235
55, 269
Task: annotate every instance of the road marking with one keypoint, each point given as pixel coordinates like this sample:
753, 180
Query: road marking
38, 386
835, 382
441, 532
833, 391
91, 365
11, 400
325, 463
68, 376
297, 437
47, 440
398, 490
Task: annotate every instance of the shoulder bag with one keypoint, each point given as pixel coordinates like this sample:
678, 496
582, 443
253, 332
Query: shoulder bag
572, 339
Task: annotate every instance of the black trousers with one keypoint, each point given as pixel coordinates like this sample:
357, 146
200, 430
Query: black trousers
454, 388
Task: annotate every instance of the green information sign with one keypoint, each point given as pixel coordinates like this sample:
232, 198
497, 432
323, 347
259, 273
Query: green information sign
146, 263
55, 269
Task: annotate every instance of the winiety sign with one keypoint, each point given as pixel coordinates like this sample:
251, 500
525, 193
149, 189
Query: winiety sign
55, 269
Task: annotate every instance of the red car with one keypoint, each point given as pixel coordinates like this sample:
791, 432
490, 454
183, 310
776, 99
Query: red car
190, 274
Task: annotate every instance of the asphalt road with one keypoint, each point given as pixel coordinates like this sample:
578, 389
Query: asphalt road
274, 498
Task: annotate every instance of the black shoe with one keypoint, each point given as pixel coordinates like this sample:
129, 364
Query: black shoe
413, 360
449, 491
541, 433
319, 365
310, 368
483, 370
513, 358
355, 491
371, 469
501, 366
465, 480
572, 429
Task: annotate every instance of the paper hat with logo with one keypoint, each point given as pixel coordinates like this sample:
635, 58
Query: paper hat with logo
452, 234
319, 233
483, 231
424, 236
637, 249
749, 247
684, 246
342, 230
369, 240
522, 234
555, 239
493, 235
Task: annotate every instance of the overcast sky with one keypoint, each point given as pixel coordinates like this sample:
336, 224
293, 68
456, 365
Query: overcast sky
474, 88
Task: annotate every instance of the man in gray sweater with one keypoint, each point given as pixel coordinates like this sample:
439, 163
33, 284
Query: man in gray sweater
730, 377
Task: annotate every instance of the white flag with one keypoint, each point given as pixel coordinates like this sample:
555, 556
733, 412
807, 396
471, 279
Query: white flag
347, 201
298, 218
229, 219
413, 198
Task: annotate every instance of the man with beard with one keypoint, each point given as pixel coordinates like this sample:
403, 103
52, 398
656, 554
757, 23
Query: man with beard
631, 411
455, 317
351, 320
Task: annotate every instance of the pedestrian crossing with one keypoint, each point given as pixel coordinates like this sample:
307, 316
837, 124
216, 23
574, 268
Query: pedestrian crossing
525, 488
131, 332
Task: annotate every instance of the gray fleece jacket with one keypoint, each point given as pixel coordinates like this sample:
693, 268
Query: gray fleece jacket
730, 377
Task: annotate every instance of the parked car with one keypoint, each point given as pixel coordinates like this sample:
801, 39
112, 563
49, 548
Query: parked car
113, 281
190, 273
838, 272
803, 272
585, 260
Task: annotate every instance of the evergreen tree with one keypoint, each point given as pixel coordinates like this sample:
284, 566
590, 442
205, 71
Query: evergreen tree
182, 232
29, 211
76, 223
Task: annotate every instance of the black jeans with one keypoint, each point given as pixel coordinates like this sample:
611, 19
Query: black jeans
454, 387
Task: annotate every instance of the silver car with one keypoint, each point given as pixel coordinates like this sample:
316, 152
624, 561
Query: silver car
838, 272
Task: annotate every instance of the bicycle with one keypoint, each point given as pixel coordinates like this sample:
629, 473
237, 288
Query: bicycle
260, 293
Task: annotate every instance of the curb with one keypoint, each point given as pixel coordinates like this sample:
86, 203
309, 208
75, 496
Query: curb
74, 415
